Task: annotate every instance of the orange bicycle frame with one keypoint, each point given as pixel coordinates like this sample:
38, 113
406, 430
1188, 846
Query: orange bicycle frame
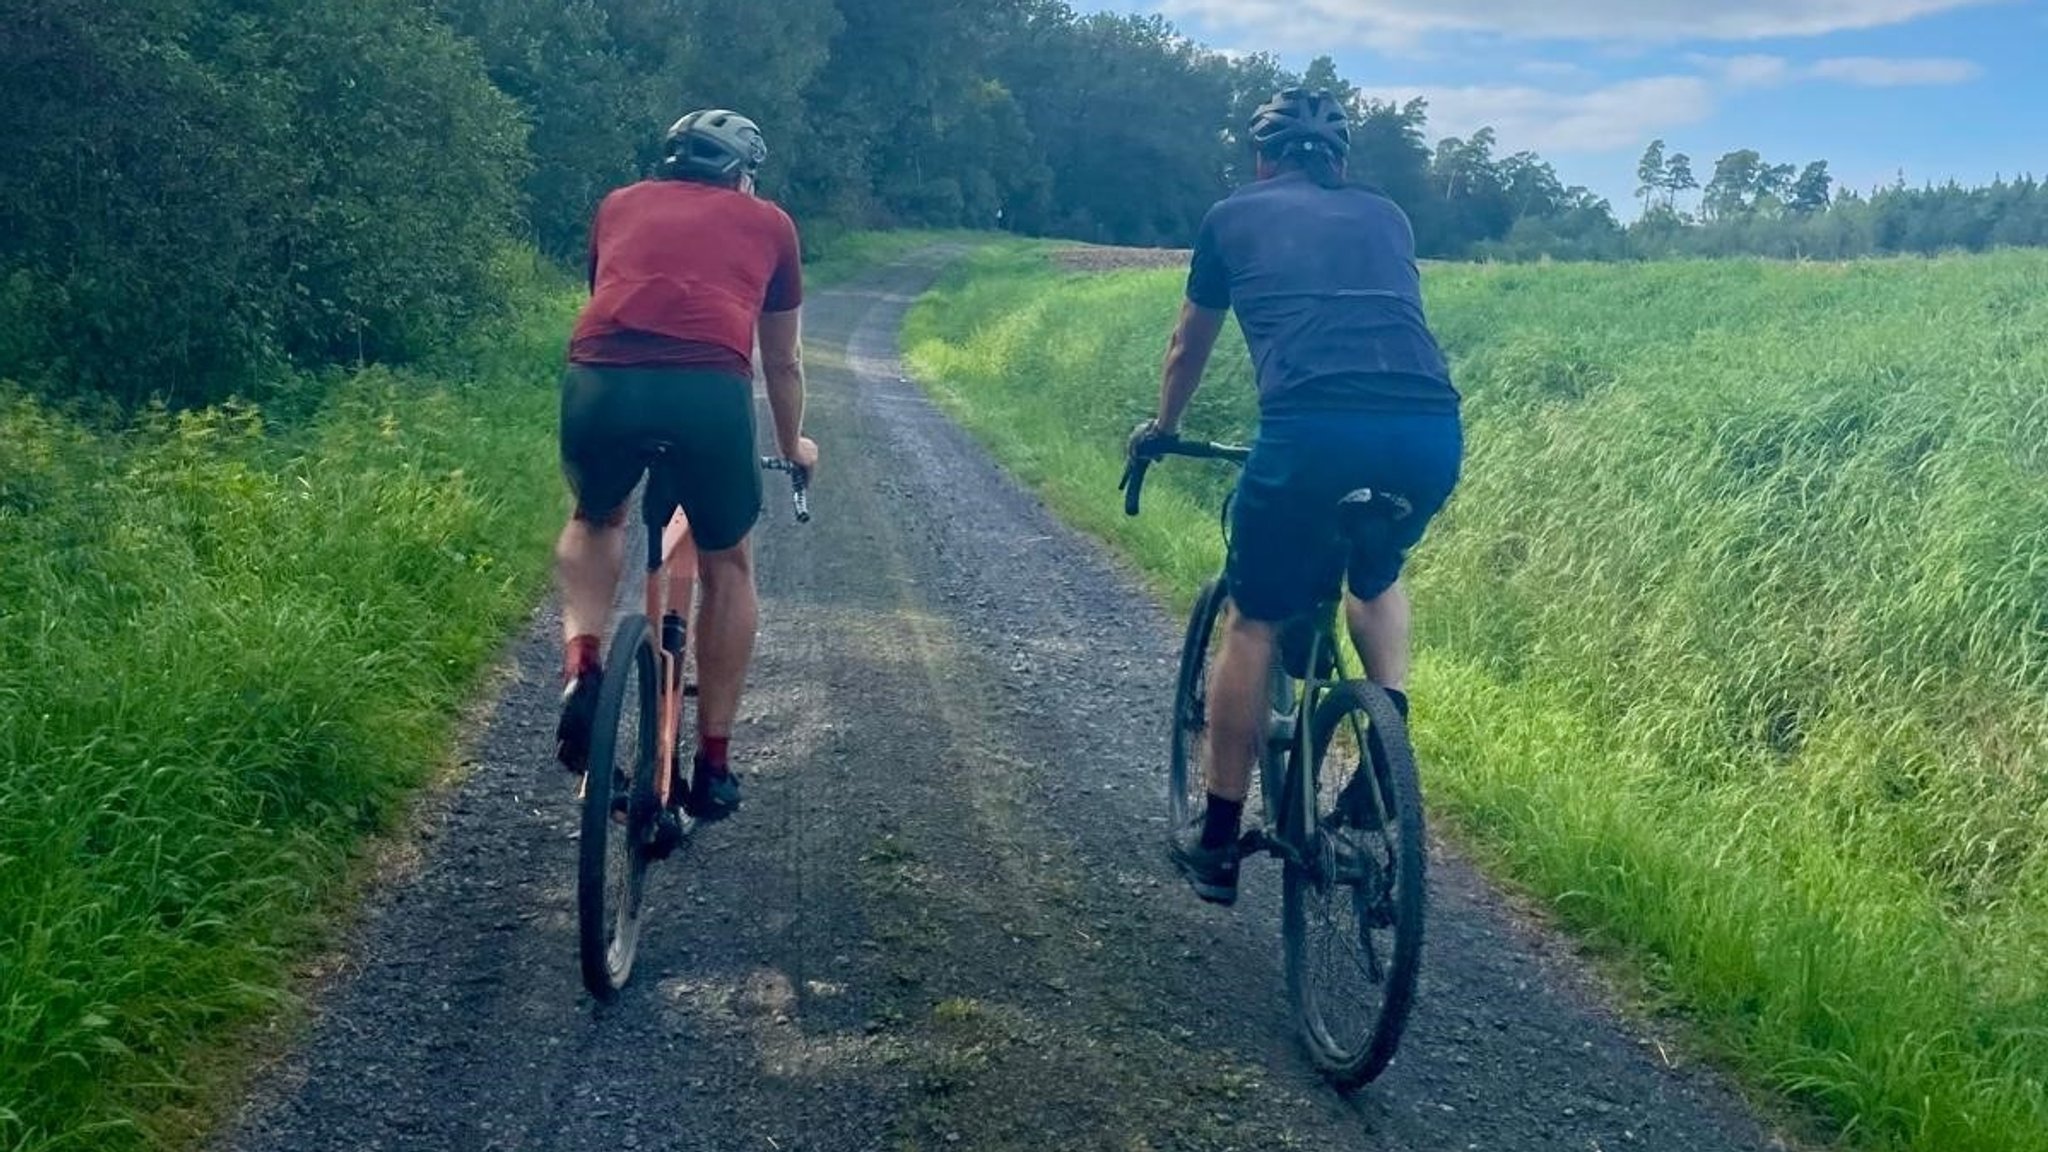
677, 574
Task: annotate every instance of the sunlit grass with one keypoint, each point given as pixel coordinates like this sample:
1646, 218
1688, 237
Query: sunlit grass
1736, 632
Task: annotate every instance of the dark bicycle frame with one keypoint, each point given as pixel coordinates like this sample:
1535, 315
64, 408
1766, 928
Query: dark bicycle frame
1289, 787
1286, 748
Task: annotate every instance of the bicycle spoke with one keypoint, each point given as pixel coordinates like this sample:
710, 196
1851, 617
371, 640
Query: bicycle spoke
1353, 912
1348, 965
612, 858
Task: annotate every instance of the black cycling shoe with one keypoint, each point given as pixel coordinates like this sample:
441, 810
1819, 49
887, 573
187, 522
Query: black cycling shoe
579, 713
667, 835
1211, 872
712, 796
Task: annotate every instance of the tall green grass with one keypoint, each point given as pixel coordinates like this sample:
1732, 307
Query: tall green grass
1735, 636
229, 650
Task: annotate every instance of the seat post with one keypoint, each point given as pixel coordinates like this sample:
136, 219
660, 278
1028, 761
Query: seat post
655, 504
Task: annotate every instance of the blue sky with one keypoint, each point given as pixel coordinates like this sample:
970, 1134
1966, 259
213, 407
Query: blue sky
1936, 88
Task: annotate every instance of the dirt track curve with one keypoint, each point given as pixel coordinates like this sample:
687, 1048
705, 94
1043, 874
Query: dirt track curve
943, 920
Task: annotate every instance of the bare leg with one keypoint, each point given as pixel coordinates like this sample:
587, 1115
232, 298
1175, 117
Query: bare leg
1237, 706
588, 558
725, 636
680, 568
1379, 628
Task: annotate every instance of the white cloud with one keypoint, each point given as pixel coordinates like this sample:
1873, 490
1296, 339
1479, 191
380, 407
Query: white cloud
1553, 70
1616, 116
1879, 72
1746, 71
1626, 114
1322, 25
1869, 71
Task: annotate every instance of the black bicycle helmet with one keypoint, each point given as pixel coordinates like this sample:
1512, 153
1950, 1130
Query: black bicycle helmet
713, 145
1298, 120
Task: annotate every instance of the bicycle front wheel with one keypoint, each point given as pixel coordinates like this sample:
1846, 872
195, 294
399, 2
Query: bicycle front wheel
1353, 906
618, 810
1187, 785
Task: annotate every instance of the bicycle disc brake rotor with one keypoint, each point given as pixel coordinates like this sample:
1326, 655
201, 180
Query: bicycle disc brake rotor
1346, 859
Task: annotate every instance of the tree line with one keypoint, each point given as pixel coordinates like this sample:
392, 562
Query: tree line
1750, 206
203, 192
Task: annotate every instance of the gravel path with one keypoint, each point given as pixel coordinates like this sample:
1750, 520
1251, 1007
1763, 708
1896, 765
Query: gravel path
942, 919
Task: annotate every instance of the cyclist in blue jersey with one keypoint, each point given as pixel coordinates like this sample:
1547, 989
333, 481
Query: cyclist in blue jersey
1353, 393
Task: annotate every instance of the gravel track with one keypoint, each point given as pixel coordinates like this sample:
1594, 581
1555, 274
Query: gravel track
943, 919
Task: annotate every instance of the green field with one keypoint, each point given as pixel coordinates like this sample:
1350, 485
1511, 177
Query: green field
1735, 636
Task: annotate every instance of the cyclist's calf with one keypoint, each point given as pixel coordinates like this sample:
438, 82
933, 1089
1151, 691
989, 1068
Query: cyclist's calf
1379, 630
1238, 703
725, 635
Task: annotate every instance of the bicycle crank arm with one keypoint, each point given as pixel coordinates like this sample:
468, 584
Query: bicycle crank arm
1256, 841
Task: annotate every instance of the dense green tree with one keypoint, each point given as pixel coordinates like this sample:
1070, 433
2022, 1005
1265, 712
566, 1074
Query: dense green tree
1390, 152
198, 189
1810, 191
1532, 187
1678, 178
587, 113
1650, 173
200, 192
1732, 191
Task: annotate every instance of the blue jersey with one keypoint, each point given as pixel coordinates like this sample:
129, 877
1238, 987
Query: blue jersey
1324, 284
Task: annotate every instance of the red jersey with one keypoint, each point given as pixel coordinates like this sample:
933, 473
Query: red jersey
679, 274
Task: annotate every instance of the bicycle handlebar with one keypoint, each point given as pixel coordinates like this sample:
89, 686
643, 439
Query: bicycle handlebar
1152, 452
799, 484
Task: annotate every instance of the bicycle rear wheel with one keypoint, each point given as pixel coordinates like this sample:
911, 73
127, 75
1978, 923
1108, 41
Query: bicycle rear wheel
1187, 786
612, 859
1353, 908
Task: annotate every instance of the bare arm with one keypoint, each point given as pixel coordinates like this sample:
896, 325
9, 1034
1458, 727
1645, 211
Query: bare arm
1187, 354
782, 362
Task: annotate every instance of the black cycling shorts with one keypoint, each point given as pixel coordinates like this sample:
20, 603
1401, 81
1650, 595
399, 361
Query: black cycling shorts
612, 415
1284, 515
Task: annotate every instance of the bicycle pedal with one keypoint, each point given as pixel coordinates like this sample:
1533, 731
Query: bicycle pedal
1253, 842
667, 837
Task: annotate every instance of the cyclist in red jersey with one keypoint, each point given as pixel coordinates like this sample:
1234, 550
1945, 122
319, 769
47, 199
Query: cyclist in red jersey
687, 270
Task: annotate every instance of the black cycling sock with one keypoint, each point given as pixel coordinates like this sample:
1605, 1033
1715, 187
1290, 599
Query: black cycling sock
1400, 700
1219, 821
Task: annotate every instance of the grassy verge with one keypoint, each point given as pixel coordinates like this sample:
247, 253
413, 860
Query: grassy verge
1734, 638
231, 651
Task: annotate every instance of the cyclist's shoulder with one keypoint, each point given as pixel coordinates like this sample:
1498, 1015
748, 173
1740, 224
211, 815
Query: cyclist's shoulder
1377, 199
776, 214
1283, 196
636, 190
1239, 204
617, 197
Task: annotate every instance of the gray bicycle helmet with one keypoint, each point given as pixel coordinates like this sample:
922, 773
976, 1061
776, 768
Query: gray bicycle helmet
713, 144
1298, 120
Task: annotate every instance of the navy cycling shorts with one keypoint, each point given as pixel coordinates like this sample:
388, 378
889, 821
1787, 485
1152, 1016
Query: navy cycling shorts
1283, 520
